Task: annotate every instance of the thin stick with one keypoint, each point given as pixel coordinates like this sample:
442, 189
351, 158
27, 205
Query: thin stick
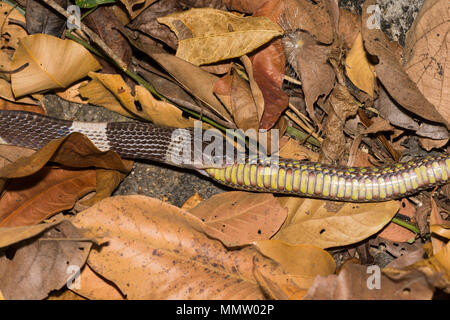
293, 80
305, 119
303, 126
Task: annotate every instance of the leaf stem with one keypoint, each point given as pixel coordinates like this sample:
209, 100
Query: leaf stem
300, 135
406, 225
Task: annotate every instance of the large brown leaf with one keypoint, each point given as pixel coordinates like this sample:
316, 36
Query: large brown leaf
152, 244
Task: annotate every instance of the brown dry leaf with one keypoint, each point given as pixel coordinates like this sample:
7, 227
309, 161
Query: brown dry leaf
237, 218
268, 72
41, 265
10, 236
72, 94
30, 200
310, 61
11, 32
258, 96
302, 262
395, 233
74, 150
359, 70
111, 92
6, 93
349, 26
52, 64
242, 104
195, 80
442, 230
192, 202
436, 269
160, 112
436, 219
379, 125
332, 224
208, 35
94, 287
427, 54
342, 105
146, 22
312, 17
134, 7
391, 74
292, 149
353, 281
429, 144
103, 22
152, 244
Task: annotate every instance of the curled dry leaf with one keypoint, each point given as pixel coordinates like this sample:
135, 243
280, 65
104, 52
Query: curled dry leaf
310, 61
192, 202
208, 35
195, 80
134, 7
390, 72
332, 224
353, 282
312, 17
93, 287
40, 265
152, 244
359, 70
427, 54
11, 32
292, 149
436, 269
32, 199
238, 218
302, 262
52, 64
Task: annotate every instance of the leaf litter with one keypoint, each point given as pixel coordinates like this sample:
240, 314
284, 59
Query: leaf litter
341, 92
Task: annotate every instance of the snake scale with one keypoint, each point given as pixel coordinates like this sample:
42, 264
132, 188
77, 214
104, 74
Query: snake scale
136, 140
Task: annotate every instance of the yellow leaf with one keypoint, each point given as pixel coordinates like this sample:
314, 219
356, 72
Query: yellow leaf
330, 224
303, 262
209, 35
160, 112
360, 71
52, 63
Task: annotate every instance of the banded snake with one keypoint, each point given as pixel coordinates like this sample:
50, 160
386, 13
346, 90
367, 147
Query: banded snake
136, 140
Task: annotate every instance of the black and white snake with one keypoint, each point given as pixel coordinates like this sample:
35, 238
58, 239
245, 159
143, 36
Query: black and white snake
135, 140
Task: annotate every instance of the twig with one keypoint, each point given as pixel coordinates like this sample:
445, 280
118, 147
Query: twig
302, 136
92, 35
303, 126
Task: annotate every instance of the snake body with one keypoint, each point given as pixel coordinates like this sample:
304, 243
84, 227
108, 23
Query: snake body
135, 140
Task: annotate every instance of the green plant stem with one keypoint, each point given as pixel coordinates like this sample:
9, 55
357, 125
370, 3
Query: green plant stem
406, 225
300, 135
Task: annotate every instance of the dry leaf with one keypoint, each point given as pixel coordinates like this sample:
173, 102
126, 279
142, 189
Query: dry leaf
395, 233
292, 149
303, 262
152, 244
72, 94
359, 70
11, 32
42, 265
192, 202
52, 64
135, 7
238, 218
208, 35
332, 224
427, 54
391, 74
353, 281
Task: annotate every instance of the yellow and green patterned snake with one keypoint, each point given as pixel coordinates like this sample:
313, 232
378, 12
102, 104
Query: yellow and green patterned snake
136, 140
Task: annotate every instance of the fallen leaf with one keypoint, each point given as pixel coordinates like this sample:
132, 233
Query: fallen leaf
52, 64
302, 262
135, 7
192, 202
391, 74
332, 224
152, 244
208, 35
353, 281
310, 61
426, 54
11, 32
41, 265
237, 218
359, 70
395, 232
292, 149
